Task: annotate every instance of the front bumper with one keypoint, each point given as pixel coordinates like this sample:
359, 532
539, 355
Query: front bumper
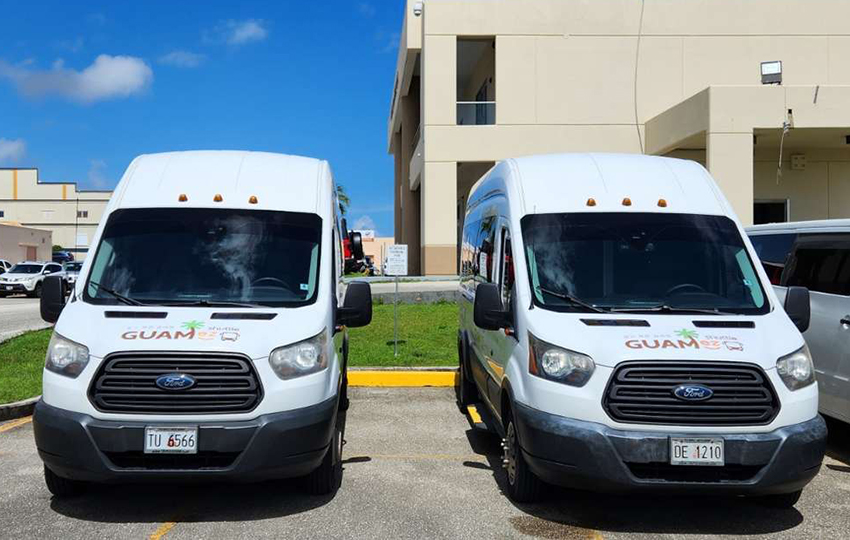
592, 456
280, 445
14, 288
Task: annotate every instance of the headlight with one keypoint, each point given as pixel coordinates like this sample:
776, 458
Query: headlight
66, 357
558, 364
796, 369
302, 358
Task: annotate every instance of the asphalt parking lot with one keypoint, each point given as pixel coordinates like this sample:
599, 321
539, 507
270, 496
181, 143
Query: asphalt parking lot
413, 469
19, 314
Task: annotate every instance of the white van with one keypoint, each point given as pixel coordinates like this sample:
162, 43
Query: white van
622, 336
816, 255
203, 339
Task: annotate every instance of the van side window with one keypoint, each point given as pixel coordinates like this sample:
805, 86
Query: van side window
821, 264
773, 250
467, 253
485, 250
506, 281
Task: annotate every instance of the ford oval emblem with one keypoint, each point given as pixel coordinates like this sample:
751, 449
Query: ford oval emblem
175, 381
693, 392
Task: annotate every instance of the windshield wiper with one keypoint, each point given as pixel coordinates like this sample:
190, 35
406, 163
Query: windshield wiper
120, 297
208, 303
572, 299
665, 308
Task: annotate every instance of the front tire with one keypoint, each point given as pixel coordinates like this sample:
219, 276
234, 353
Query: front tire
327, 478
62, 487
782, 501
523, 485
37, 291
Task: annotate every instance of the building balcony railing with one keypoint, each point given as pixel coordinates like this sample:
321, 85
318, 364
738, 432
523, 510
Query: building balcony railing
476, 113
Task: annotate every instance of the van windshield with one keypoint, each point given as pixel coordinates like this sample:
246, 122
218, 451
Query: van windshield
640, 262
206, 257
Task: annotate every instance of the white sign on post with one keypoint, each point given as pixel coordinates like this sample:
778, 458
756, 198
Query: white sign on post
396, 263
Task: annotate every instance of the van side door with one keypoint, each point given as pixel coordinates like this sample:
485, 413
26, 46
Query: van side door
504, 343
821, 262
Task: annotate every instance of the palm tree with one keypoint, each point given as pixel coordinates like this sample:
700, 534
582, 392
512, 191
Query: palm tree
343, 199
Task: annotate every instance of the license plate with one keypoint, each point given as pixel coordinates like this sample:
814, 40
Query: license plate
696, 452
171, 440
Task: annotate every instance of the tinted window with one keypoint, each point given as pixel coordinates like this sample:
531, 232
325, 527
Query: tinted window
206, 255
507, 277
26, 269
615, 260
821, 263
773, 248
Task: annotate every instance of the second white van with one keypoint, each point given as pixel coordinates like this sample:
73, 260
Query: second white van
618, 331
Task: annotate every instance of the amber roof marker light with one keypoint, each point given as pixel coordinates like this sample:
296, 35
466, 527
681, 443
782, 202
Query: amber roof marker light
627, 202
218, 197
662, 203
252, 199
591, 202
182, 198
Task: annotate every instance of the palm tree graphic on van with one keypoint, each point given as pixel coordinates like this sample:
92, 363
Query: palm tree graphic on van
687, 334
192, 325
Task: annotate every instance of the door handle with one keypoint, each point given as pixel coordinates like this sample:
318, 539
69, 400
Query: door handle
845, 320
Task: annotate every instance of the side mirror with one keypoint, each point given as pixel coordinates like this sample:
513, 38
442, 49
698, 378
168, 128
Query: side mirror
357, 245
798, 307
488, 312
356, 309
52, 298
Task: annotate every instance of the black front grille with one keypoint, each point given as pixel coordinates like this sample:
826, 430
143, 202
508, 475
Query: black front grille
642, 393
225, 383
685, 473
199, 461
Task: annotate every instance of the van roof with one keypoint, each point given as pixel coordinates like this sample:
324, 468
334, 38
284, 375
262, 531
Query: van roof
278, 181
565, 182
822, 224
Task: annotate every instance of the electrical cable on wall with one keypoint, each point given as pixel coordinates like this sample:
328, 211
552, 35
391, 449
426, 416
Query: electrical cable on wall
637, 57
786, 126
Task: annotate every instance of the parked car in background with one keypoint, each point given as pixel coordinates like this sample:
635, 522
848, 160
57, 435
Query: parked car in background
613, 323
4, 266
816, 255
72, 271
27, 277
62, 256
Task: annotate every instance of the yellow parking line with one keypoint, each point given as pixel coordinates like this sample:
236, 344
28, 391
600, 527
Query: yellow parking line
473, 414
15, 423
401, 378
163, 530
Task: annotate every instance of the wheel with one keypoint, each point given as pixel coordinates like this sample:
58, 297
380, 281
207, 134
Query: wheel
327, 478
523, 485
465, 388
62, 487
37, 292
782, 500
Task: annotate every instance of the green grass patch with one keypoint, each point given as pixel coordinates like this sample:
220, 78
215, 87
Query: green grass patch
429, 331
21, 362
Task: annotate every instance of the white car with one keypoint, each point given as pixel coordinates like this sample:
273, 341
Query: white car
27, 277
4, 266
616, 325
221, 358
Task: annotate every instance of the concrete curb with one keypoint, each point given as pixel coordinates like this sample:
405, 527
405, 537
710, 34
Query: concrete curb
18, 409
402, 377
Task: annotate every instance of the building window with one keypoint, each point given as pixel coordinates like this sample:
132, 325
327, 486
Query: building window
476, 74
2, 214
82, 213
770, 211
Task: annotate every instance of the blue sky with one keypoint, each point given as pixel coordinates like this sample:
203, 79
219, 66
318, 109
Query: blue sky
85, 87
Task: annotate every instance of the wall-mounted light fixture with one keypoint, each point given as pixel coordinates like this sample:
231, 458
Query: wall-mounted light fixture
771, 72
417, 8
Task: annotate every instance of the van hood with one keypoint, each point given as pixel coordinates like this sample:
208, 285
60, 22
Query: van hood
612, 339
185, 329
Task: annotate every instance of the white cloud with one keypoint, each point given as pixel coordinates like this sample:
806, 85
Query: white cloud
235, 32
97, 174
365, 223
12, 150
183, 59
108, 77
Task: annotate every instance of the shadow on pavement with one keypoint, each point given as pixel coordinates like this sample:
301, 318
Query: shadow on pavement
568, 511
154, 503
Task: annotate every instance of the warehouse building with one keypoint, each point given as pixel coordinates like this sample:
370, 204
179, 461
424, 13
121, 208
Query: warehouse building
19, 243
756, 90
71, 215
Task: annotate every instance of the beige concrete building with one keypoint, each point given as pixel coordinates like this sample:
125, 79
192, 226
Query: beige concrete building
482, 80
19, 243
71, 215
